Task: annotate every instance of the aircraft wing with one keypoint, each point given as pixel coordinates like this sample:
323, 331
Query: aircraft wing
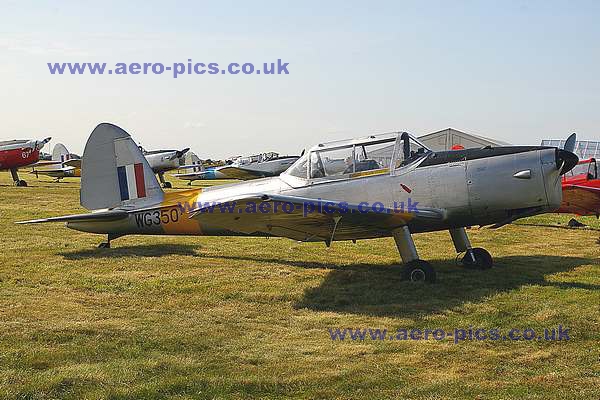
241, 173
54, 172
582, 200
42, 163
75, 163
193, 175
189, 166
288, 216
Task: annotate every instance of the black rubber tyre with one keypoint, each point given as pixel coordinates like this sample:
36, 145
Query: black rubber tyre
21, 183
418, 271
167, 185
483, 259
104, 245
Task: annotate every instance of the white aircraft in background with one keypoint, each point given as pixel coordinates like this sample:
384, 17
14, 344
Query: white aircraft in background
243, 168
63, 164
162, 161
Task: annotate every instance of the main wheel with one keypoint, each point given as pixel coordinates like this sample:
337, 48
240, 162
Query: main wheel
167, 185
21, 183
418, 271
483, 259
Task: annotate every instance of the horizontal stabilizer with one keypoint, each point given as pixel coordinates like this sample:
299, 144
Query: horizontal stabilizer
96, 216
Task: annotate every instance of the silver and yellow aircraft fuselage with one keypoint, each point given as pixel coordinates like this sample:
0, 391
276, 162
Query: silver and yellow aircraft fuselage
377, 186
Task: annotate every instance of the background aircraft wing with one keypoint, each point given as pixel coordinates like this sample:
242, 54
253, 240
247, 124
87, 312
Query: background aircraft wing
41, 163
305, 219
193, 175
53, 172
582, 200
189, 166
75, 163
241, 173
49, 172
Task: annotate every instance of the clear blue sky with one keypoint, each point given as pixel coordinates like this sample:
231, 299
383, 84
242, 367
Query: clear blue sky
516, 71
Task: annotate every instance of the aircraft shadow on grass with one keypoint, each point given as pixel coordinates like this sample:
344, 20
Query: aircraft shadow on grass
377, 289
135, 251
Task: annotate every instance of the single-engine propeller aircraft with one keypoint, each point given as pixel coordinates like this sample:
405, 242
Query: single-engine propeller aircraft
162, 161
581, 190
15, 154
405, 190
244, 168
62, 165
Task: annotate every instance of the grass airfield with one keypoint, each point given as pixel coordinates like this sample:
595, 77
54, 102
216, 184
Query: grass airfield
202, 317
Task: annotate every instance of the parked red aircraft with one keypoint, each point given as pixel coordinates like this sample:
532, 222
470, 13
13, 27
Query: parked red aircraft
15, 154
581, 190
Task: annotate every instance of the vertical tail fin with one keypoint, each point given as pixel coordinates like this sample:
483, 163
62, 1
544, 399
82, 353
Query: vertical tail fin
114, 172
60, 153
191, 160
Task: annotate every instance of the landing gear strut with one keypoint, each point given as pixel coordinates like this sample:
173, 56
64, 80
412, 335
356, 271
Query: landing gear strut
106, 245
474, 258
414, 269
15, 176
165, 184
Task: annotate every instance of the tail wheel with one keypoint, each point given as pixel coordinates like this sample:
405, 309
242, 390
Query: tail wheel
418, 271
483, 259
167, 185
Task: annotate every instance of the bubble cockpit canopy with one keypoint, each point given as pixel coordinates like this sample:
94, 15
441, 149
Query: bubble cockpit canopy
359, 157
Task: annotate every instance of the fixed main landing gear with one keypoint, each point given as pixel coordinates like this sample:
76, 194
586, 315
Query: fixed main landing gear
474, 258
414, 269
417, 270
165, 184
15, 176
106, 245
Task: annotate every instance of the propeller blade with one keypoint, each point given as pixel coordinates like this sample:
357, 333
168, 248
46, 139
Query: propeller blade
180, 153
41, 143
565, 161
570, 143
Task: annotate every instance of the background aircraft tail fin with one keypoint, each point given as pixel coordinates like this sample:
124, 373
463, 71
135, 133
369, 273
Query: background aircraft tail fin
115, 173
60, 153
192, 161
